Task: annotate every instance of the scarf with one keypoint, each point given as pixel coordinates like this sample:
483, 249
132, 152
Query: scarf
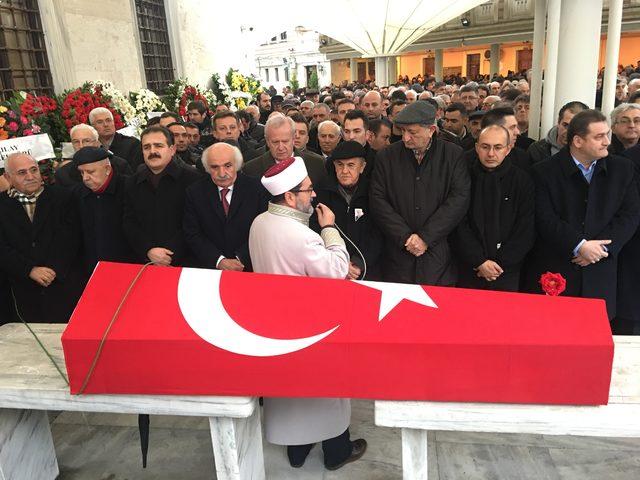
487, 197
28, 202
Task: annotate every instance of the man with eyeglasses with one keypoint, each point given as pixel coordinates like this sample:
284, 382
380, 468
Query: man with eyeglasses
83, 135
498, 231
625, 127
281, 242
123, 146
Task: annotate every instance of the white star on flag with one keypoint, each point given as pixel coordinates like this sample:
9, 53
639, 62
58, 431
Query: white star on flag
394, 293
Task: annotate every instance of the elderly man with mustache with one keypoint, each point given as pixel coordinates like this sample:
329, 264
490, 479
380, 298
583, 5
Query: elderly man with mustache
219, 210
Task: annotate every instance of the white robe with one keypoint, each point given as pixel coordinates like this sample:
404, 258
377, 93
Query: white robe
281, 242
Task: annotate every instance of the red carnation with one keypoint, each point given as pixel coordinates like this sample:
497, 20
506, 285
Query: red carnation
12, 126
553, 284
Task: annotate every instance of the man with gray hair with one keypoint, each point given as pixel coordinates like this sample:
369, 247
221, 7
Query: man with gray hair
306, 109
419, 193
625, 127
126, 147
83, 135
279, 132
39, 243
219, 210
329, 135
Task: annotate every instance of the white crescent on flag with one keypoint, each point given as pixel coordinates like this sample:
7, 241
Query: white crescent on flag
201, 305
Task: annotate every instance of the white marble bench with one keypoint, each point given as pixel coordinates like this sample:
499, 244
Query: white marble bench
30, 385
620, 418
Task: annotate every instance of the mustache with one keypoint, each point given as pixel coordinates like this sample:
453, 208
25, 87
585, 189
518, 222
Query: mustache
153, 155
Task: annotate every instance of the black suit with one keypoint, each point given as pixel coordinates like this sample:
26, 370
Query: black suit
101, 219
209, 232
153, 217
569, 209
128, 148
52, 241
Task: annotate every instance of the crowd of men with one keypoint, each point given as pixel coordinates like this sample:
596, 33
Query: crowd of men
432, 183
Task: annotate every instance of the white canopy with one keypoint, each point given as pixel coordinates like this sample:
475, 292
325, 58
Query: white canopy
372, 27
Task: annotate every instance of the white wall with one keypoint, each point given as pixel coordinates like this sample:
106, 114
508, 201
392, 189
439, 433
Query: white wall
92, 43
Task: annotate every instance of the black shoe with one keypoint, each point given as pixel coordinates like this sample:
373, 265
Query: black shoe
358, 447
294, 454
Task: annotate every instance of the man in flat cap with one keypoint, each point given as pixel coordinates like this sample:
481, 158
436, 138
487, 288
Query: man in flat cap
100, 200
281, 242
347, 195
420, 192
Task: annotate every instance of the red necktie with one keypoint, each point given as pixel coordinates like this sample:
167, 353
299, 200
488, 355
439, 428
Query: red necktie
225, 203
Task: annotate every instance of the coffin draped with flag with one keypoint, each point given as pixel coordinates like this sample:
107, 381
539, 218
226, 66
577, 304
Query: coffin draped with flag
205, 332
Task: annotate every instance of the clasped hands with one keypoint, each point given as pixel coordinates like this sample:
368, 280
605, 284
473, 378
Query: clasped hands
415, 245
590, 252
489, 270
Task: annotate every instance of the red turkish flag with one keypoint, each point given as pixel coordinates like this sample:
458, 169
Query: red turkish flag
206, 332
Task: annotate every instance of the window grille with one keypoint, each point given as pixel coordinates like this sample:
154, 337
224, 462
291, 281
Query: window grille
154, 40
23, 54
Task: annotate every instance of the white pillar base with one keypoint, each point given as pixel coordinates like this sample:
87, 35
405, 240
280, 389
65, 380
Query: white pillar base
26, 446
237, 447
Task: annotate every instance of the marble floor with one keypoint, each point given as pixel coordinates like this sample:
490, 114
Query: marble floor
106, 447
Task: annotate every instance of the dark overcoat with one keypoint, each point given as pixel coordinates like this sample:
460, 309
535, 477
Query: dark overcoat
356, 222
429, 199
101, 219
570, 209
153, 217
629, 263
209, 232
128, 148
517, 232
51, 240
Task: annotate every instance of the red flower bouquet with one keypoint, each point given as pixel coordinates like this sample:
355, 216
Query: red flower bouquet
553, 284
37, 106
77, 104
190, 94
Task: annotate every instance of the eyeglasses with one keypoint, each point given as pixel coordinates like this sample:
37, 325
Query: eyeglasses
305, 190
488, 148
628, 121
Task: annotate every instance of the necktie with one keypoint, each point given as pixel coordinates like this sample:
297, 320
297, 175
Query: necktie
223, 198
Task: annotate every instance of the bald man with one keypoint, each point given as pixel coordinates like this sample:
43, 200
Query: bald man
219, 210
39, 243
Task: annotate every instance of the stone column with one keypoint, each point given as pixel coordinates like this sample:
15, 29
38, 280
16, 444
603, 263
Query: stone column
539, 21
353, 73
381, 71
551, 67
392, 69
579, 44
495, 59
438, 64
611, 56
